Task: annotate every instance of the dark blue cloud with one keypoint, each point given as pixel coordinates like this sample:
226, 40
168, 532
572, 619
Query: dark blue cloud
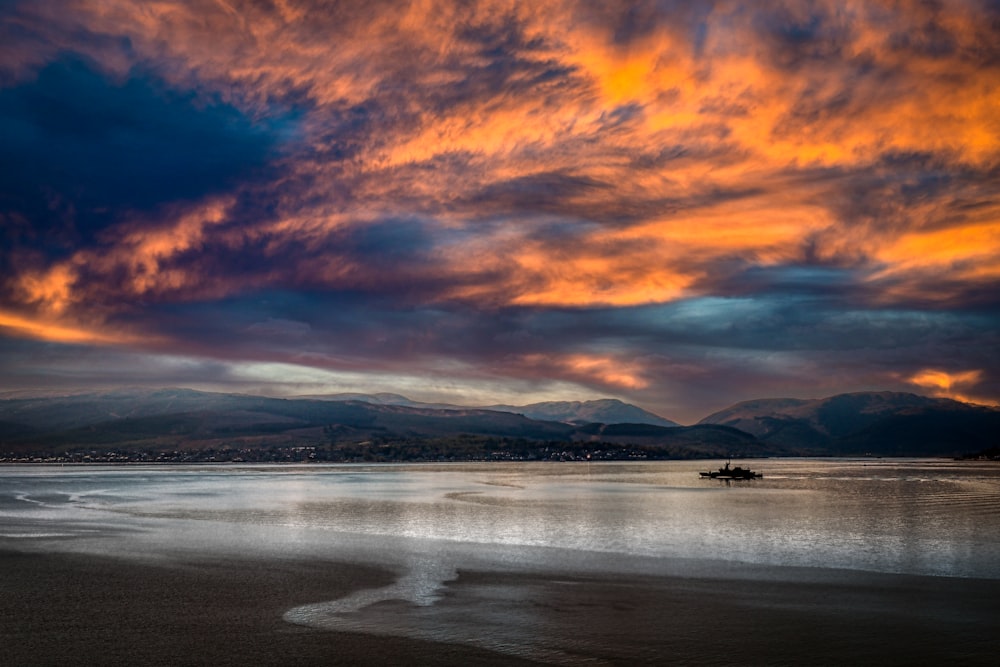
548, 192
801, 38
80, 148
636, 20
931, 40
511, 66
345, 131
790, 281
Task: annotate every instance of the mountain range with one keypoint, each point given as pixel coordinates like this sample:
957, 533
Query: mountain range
603, 410
874, 423
881, 423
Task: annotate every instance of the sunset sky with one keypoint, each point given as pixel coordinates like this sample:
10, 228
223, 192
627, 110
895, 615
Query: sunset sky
679, 204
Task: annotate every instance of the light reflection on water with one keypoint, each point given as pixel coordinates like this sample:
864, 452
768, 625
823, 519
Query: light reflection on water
918, 517
429, 522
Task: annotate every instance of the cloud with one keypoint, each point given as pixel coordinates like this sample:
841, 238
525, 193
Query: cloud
280, 328
945, 384
71, 332
516, 192
80, 148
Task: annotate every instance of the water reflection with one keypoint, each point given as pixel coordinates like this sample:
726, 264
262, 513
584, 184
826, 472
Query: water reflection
915, 517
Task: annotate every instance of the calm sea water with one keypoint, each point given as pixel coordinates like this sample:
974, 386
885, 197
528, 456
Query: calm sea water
427, 522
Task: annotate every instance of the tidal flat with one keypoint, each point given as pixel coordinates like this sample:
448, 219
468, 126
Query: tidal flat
819, 562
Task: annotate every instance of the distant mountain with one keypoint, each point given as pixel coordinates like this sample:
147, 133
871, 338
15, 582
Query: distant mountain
112, 416
171, 419
881, 423
605, 410
49, 413
381, 428
382, 398
700, 441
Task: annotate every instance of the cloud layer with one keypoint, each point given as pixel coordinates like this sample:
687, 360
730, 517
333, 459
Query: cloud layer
682, 204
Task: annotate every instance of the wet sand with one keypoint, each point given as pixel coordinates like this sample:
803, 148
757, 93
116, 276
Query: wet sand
64, 609
839, 618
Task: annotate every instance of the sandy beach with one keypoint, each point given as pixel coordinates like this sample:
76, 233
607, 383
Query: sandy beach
67, 609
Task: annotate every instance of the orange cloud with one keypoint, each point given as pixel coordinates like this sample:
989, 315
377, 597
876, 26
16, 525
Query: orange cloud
976, 245
597, 369
607, 370
576, 99
52, 290
654, 262
133, 262
65, 331
144, 251
938, 264
945, 384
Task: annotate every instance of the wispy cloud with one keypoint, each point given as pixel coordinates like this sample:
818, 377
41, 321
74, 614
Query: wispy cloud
453, 179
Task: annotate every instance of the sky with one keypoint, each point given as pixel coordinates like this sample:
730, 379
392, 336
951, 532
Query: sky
678, 204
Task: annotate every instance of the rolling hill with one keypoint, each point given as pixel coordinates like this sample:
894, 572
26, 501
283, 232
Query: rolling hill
880, 423
186, 415
604, 410
151, 421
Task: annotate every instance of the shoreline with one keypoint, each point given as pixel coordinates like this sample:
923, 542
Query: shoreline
73, 609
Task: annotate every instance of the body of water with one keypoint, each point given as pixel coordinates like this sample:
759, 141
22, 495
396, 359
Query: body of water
429, 523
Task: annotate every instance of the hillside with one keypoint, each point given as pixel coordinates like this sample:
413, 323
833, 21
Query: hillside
604, 410
203, 425
880, 423
706, 440
126, 416
153, 422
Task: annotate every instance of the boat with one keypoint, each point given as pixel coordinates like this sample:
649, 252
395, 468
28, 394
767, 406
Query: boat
731, 473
